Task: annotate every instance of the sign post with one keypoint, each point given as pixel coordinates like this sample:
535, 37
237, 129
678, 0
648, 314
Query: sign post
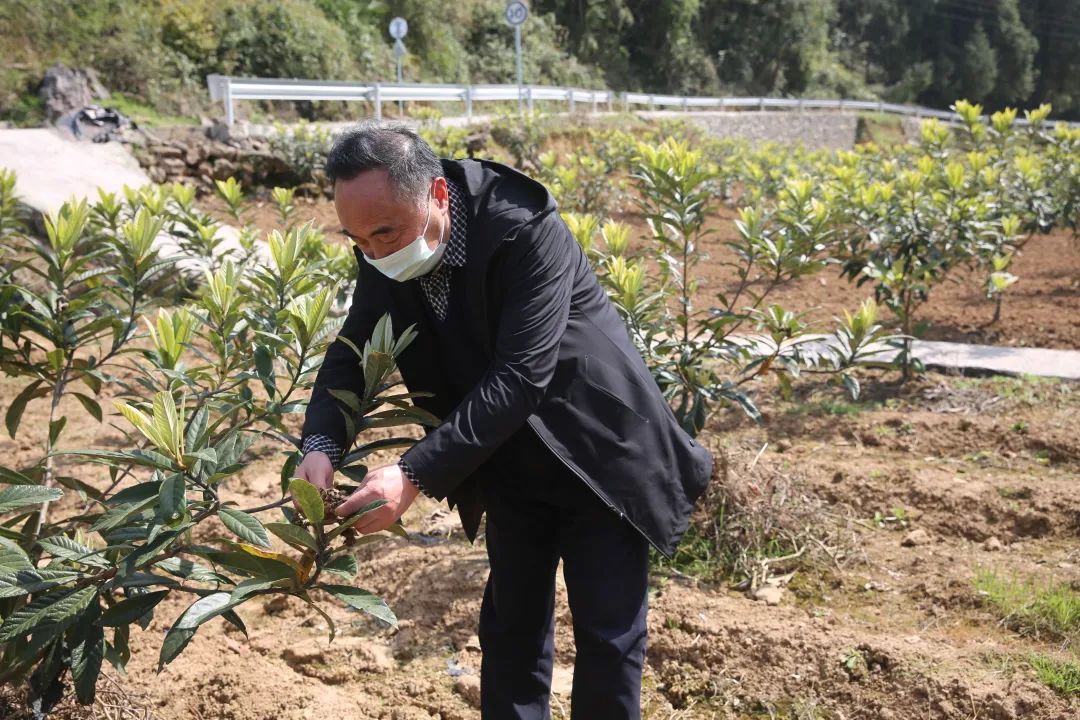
516, 14
398, 28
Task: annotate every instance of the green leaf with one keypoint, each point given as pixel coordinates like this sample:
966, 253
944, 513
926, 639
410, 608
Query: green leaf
13, 477
396, 528
135, 493
18, 496
90, 404
293, 534
253, 565
329, 620
14, 413
47, 612
143, 458
354, 472
852, 385
348, 521
25, 582
361, 600
118, 653
62, 546
12, 557
343, 566
188, 570
244, 526
234, 619
117, 516
311, 503
172, 498
200, 611
131, 609
86, 658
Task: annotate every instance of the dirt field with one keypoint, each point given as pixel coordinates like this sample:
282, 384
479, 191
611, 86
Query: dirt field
1041, 310
920, 487
879, 630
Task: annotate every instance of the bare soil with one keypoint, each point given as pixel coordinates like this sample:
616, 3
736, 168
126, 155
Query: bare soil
1041, 310
987, 468
966, 460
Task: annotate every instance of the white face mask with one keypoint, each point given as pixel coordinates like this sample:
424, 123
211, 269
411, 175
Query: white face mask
415, 259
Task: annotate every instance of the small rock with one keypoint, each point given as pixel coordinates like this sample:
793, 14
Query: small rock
223, 169
783, 446
218, 131
473, 644
173, 166
769, 595
562, 680
838, 476
468, 687
992, 544
917, 537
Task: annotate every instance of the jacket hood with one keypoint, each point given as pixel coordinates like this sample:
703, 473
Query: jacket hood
503, 198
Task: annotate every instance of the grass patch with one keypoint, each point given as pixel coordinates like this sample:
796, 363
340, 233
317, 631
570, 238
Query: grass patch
1026, 389
1061, 676
1029, 608
144, 114
832, 407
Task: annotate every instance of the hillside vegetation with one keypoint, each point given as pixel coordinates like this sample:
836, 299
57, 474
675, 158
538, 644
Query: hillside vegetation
158, 52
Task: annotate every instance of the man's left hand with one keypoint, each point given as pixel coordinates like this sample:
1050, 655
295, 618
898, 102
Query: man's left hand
383, 483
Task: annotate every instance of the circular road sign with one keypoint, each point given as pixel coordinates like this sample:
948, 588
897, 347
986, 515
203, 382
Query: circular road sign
398, 27
516, 13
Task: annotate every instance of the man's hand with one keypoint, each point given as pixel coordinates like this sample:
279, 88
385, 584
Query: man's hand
317, 469
383, 483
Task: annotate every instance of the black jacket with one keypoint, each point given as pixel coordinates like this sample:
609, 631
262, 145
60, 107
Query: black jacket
559, 359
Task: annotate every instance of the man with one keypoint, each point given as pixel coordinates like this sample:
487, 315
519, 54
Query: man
551, 423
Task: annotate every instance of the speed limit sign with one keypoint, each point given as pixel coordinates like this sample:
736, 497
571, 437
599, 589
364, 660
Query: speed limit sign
516, 13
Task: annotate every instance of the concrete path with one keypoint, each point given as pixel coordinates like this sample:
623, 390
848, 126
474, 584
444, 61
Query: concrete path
954, 357
51, 168
999, 360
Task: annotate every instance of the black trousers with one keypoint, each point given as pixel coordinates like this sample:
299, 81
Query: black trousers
537, 513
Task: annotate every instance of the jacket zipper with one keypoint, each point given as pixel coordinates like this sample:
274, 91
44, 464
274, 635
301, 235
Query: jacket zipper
589, 484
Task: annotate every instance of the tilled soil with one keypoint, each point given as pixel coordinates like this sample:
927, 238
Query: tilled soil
987, 469
1041, 310
881, 631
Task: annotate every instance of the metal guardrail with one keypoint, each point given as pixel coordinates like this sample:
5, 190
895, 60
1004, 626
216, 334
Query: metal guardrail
230, 89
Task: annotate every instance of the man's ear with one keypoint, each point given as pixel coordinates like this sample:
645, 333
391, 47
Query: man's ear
440, 192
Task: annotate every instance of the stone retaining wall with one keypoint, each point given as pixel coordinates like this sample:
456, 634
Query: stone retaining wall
814, 129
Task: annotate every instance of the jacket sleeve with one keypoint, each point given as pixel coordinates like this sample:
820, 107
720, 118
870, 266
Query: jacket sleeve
340, 370
538, 280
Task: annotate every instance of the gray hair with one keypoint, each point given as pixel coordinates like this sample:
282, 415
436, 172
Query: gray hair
407, 158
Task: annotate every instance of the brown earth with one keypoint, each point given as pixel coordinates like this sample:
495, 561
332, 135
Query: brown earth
1041, 310
872, 628
967, 461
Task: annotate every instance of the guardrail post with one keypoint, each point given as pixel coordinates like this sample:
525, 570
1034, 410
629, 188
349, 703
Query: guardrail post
800, 105
760, 104
529, 97
685, 104
378, 101
880, 106
652, 102
229, 116
594, 102
468, 104
570, 97
841, 107
626, 102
